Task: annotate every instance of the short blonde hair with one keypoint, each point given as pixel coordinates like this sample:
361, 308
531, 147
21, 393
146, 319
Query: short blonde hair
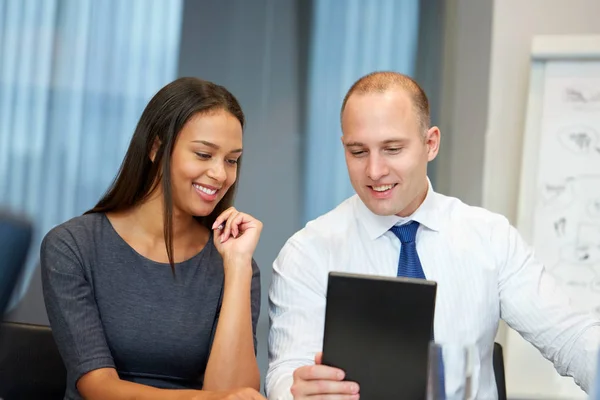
381, 81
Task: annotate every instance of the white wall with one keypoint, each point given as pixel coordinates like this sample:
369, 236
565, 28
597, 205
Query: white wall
515, 22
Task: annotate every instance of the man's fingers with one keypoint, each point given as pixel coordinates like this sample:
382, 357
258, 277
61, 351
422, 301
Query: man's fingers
319, 372
325, 389
313, 388
333, 397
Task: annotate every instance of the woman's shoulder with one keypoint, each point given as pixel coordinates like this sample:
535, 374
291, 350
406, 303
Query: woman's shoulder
78, 225
78, 232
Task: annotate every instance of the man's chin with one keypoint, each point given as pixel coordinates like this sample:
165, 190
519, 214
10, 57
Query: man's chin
381, 209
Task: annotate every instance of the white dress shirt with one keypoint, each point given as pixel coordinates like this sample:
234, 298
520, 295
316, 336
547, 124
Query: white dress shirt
484, 270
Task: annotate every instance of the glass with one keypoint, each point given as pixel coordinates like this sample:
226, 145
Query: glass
595, 392
450, 372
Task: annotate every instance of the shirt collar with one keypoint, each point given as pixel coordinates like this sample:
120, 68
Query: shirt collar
376, 225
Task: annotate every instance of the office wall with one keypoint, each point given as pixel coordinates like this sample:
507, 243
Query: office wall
257, 50
428, 69
464, 94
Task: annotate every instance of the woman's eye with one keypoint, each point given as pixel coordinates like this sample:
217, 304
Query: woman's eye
203, 156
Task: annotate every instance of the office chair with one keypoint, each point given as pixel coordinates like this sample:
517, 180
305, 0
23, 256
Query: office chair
30, 364
15, 238
498, 362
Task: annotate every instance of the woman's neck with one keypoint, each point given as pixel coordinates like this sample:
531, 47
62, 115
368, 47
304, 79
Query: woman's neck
142, 227
149, 218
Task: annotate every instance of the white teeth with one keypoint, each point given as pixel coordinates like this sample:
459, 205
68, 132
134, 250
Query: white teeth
382, 188
205, 190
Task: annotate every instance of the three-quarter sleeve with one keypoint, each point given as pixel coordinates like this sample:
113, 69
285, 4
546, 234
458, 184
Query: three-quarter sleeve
71, 306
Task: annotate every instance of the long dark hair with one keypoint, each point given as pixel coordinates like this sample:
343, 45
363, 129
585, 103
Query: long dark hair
162, 119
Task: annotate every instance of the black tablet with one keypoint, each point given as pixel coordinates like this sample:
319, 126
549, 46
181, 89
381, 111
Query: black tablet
378, 330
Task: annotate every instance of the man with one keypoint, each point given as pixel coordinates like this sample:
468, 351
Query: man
484, 270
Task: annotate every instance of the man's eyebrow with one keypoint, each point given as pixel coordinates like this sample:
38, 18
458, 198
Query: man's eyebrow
399, 140
354, 144
388, 141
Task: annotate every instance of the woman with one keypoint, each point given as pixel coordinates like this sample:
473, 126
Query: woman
155, 288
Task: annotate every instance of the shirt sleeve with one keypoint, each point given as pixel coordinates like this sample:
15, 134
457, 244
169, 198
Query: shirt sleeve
532, 303
71, 307
297, 315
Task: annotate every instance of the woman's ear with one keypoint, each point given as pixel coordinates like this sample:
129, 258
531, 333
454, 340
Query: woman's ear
154, 150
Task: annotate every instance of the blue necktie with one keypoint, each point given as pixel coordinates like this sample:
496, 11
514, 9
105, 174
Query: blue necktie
409, 264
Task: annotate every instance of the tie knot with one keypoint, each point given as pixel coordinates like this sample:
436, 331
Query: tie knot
407, 232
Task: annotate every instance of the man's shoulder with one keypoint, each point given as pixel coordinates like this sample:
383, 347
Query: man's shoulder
322, 231
332, 223
460, 213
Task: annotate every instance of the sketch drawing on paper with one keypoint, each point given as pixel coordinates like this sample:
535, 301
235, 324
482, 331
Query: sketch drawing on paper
578, 267
559, 226
557, 195
593, 208
580, 95
571, 208
579, 139
586, 249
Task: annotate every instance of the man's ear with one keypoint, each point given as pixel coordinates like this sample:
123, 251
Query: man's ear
432, 139
154, 150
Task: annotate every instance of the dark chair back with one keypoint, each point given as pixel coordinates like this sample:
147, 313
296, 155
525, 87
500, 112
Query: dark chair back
30, 364
498, 360
15, 238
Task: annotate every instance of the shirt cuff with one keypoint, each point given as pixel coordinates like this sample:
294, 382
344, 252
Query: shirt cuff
280, 390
